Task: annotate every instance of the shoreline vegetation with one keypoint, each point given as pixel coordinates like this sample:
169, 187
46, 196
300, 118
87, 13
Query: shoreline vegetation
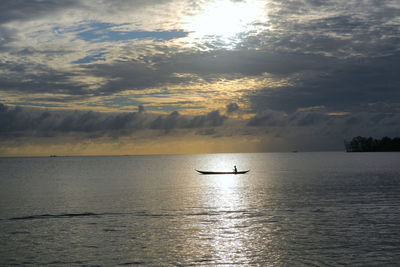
364, 144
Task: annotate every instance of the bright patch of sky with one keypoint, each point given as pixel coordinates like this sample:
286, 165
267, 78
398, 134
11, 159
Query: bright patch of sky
224, 21
89, 59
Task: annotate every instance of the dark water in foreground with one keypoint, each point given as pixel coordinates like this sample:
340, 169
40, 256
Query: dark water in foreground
313, 209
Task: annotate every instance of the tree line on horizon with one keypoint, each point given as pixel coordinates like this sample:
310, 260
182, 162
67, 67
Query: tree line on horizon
364, 144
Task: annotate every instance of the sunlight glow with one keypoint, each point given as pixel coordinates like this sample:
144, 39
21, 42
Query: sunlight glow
225, 19
224, 195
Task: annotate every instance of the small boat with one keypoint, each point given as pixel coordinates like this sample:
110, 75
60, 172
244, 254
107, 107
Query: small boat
232, 172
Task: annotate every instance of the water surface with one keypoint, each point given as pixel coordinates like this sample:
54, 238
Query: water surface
290, 209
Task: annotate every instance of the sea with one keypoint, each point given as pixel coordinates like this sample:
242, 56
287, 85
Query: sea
290, 209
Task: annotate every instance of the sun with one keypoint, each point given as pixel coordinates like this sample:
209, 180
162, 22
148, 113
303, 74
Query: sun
224, 19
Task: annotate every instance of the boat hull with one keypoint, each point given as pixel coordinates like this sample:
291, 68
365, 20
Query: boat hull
211, 172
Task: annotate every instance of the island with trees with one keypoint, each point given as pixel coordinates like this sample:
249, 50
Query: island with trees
364, 144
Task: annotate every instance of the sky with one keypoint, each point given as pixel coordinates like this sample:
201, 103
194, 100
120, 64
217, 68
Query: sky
96, 77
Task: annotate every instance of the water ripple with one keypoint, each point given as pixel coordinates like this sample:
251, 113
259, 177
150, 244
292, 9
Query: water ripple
63, 215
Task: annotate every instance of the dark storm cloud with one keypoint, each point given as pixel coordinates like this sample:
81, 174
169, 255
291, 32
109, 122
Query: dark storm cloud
175, 120
6, 36
320, 118
28, 9
213, 118
141, 109
268, 118
15, 122
39, 78
167, 123
348, 86
245, 62
232, 107
127, 75
19, 122
345, 54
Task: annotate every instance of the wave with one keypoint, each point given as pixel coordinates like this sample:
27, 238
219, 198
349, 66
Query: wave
58, 216
238, 214
85, 214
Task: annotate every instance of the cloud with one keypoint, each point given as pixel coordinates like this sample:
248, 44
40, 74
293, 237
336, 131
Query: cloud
312, 129
320, 125
207, 131
268, 118
141, 109
232, 107
16, 122
350, 85
175, 120
312, 43
340, 56
38, 78
123, 76
22, 10
19, 122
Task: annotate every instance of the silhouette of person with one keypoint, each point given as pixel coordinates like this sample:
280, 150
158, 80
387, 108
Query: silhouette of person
235, 169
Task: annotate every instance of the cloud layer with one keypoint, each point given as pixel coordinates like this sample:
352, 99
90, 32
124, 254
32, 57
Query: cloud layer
303, 65
19, 122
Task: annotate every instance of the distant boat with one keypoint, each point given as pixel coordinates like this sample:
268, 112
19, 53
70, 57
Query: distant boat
53, 156
211, 172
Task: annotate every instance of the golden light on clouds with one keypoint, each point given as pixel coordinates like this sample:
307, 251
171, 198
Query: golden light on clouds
208, 94
341, 113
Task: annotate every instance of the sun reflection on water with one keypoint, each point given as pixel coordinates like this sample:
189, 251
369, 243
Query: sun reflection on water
225, 198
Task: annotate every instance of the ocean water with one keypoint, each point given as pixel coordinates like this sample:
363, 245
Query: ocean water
291, 209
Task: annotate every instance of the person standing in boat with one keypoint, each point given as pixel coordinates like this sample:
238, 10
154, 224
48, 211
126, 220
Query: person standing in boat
235, 169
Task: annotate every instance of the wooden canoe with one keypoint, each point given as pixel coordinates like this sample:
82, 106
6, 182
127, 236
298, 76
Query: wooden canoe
212, 172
